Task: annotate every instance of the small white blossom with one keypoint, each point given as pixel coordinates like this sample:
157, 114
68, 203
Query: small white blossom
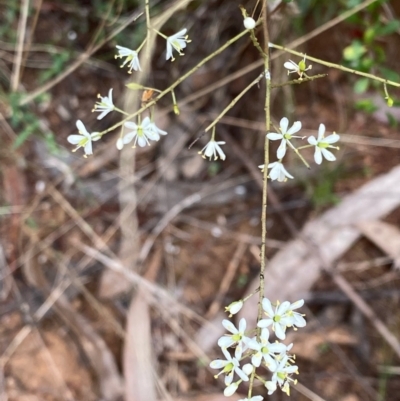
321, 144
234, 307
177, 42
278, 172
141, 133
84, 139
285, 135
131, 58
212, 148
300, 68
229, 367
237, 337
248, 369
265, 350
105, 105
249, 23
282, 377
282, 317
231, 389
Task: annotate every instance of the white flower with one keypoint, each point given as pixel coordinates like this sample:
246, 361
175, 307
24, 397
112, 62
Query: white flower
131, 58
212, 148
254, 398
300, 68
84, 139
321, 144
249, 23
282, 317
229, 367
177, 42
282, 376
285, 135
141, 133
234, 307
231, 389
295, 319
278, 172
265, 350
237, 337
105, 105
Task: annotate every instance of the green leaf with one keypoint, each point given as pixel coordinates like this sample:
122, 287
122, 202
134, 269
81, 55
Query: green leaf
369, 35
387, 73
361, 85
354, 51
366, 105
389, 28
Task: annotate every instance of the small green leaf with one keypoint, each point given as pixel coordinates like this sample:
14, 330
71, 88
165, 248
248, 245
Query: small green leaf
366, 105
369, 35
387, 73
354, 51
361, 85
389, 28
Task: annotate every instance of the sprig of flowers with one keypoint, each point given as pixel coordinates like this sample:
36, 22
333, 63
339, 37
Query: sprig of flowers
277, 170
259, 350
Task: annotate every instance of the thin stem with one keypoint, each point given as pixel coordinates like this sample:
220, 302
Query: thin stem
177, 82
298, 154
336, 66
234, 101
120, 111
265, 175
299, 81
265, 182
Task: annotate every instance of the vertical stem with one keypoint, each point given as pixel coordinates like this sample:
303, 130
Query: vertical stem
265, 180
266, 161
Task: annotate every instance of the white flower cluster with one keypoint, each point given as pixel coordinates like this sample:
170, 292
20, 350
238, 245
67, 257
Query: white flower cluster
258, 348
142, 132
285, 134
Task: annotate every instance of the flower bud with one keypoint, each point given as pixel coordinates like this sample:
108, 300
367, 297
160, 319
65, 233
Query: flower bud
234, 307
249, 23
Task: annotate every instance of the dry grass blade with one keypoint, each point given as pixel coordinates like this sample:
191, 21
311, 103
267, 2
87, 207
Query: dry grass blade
138, 356
20, 45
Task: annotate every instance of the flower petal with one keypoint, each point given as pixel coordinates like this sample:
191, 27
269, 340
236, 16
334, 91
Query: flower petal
274, 136
321, 132
284, 123
294, 128
280, 154
75, 139
328, 155
332, 138
318, 155
312, 141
